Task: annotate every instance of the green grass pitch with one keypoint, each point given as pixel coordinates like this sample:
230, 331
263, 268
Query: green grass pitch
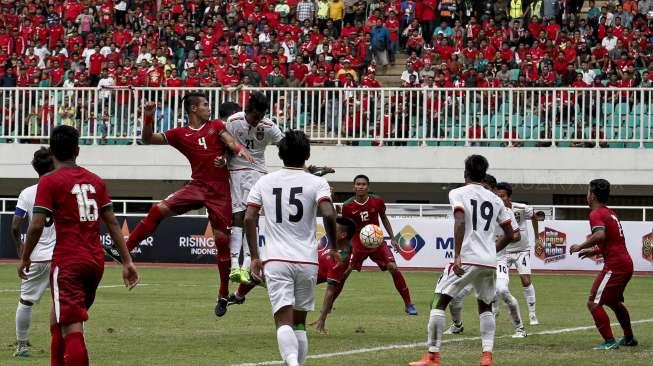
169, 321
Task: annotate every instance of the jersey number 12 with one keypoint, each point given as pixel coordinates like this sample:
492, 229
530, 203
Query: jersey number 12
87, 207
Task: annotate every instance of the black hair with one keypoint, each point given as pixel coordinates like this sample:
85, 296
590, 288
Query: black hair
226, 109
362, 176
64, 142
348, 224
601, 189
257, 103
193, 98
42, 161
540, 213
490, 181
476, 167
505, 186
294, 148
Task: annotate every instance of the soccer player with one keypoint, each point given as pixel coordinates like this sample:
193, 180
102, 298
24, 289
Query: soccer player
364, 209
203, 142
255, 132
518, 254
477, 213
76, 199
607, 239
291, 198
38, 276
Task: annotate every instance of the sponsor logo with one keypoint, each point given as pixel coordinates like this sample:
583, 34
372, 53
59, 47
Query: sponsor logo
647, 247
551, 245
321, 238
410, 242
260, 133
446, 245
199, 245
107, 242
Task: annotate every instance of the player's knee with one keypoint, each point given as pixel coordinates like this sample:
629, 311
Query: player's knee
164, 210
25, 302
591, 305
526, 280
392, 268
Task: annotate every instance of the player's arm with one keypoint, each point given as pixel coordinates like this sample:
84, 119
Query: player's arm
235, 147
148, 136
129, 273
535, 223
16, 224
598, 236
458, 236
34, 232
508, 236
330, 296
388, 228
251, 221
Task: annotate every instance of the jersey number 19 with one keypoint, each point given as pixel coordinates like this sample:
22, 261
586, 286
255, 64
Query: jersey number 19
487, 212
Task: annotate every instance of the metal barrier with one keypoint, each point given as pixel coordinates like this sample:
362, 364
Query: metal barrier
580, 117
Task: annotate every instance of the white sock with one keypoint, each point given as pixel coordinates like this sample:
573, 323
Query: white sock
302, 342
288, 345
488, 328
23, 320
529, 294
247, 258
513, 309
437, 320
235, 243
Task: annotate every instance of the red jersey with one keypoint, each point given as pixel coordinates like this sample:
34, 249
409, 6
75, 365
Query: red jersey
613, 248
329, 271
201, 147
363, 214
74, 197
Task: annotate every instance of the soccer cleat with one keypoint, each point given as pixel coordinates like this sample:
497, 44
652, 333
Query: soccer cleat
410, 309
22, 350
429, 359
486, 359
632, 342
221, 307
234, 275
520, 333
233, 300
607, 345
244, 276
455, 329
532, 317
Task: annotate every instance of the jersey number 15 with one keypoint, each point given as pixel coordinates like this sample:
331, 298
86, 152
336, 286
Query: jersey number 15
292, 201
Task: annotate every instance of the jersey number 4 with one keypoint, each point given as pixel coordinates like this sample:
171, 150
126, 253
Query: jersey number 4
88, 210
202, 142
487, 212
292, 201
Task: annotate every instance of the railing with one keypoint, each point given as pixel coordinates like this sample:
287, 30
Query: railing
139, 208
581, 117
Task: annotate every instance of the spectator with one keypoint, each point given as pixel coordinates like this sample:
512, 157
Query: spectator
336, 15
8, 80
476, 132
305, 11
380, 43
405, 75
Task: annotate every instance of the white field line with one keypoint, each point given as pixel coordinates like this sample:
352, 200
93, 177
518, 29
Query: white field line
423, 344
101, 286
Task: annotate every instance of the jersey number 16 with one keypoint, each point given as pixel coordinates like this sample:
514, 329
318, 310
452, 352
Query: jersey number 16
87, 207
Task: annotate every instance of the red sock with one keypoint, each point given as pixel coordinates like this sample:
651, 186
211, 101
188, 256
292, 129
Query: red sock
56, 346
75, 354
224, 266
623, 316
602, 323
401, 286
145, 228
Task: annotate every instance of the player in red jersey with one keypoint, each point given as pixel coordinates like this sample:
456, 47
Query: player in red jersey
607, 239
203, 143
365, 209
76, 199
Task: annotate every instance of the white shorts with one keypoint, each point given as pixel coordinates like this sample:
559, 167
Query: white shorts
38, 280
482, 280
242, 182
520, 260
291, 284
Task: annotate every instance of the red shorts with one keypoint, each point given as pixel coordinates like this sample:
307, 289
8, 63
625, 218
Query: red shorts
609, 287
73, 287
382, 256
195, 195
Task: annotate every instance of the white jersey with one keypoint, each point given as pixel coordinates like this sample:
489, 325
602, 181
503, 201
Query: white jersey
289, 198
523, 215
255, 139
44, 248
513, 224
484, 212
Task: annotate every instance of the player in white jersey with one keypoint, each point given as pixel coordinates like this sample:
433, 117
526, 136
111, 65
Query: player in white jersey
38, 277
503, 293
518, 254
291, 198
477, 215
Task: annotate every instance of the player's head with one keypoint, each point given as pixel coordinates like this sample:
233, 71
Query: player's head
599, 191
361, 184
540, 215
294, 149
504, 191
256, 108
475, 168
42, 161
64, 143
345, 229
490, 182
197, 104
226, 109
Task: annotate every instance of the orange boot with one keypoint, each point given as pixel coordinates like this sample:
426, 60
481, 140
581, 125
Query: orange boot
486, 359
429, 359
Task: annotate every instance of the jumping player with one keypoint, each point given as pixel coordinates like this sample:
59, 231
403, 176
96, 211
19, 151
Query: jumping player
607, 239
202, 142
364, 209
38, 277
291, 198
477, 213
518, 254
76, 199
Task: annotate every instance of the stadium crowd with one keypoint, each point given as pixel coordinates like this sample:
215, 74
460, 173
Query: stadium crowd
302, 43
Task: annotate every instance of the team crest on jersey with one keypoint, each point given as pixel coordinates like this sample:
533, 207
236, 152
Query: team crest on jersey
647, 247
260, 133
551, 245
211, 131
321, 238
409, 241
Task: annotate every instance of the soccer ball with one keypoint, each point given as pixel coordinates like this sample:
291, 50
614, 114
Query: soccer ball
371, 236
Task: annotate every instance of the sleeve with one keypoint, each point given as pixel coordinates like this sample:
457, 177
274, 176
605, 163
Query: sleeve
254, 198
275, 133
44, 202
513, 222
323, 192
172, 136
503, 216
456, 201
22, 206
219, 126
596, 221
103, 199
528, 210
